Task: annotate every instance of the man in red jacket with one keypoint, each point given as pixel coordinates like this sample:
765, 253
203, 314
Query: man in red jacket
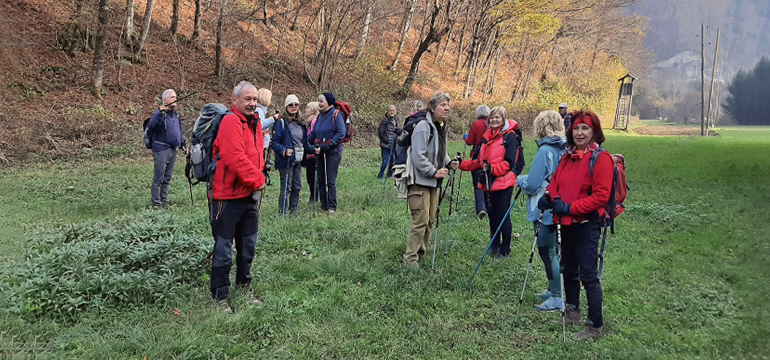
237, 183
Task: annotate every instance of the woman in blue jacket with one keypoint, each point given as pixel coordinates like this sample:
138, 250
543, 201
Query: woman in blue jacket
326, 137
290, 145
549, 128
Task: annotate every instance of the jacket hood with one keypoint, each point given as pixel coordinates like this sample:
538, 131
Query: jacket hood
510, 125
558, 142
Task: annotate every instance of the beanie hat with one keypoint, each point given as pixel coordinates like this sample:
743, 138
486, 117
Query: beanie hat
291, 99
330, 98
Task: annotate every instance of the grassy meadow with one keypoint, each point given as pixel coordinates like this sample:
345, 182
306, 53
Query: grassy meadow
686, 275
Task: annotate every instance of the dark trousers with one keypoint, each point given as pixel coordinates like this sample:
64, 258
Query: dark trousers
232, 222
310, 176
387, 163
499, 201
478, 194
579, 257
328, 165
291, 175
164, 168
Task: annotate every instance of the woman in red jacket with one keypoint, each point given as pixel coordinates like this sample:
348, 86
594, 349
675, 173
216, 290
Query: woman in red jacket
496, 159
578, 194
473, 139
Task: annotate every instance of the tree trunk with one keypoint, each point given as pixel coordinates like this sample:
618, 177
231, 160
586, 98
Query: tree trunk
129, 33
365, 29
145, 28
99, 49
218, 51
174, 18
197, 22
407, 24
432, 37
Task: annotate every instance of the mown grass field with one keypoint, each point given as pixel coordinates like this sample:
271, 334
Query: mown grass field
686, 274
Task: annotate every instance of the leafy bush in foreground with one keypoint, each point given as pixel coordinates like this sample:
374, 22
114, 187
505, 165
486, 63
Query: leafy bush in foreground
139, 259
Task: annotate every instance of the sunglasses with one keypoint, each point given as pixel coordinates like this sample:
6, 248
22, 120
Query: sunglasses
294, 104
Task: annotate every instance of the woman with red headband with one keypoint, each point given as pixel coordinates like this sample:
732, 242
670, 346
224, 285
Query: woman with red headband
578, 194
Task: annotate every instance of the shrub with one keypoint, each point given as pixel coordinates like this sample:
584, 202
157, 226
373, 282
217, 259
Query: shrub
136, 260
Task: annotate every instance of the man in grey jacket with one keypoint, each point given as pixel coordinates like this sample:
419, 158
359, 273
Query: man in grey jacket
427, 166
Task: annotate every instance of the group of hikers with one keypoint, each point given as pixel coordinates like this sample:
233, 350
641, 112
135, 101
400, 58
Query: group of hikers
567, 186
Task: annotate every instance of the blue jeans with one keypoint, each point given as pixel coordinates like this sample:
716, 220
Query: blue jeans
387, 162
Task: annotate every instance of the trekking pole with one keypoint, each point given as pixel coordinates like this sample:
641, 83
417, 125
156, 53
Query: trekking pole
387, 166
601, 253
192, 202
561, 279
326, 177
442, 193
449, 217
460, 183
529, 268
518, 192
286, 190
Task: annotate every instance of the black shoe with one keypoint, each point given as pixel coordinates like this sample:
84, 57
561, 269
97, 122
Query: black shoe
481, 214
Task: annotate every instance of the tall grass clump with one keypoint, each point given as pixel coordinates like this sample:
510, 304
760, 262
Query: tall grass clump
147, 258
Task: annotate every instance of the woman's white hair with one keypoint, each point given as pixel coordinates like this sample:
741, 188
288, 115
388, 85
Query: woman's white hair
416, 106
549, 124
482, 112
313, 105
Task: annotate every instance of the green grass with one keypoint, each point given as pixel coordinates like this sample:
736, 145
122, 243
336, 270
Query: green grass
686, 274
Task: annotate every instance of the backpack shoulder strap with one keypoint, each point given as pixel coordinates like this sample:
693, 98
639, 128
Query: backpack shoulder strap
594, 157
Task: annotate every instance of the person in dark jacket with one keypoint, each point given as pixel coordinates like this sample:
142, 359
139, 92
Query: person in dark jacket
236, 187
290, 145
497, 161
577, 199
551, 146
473, 139
326, 137
389, 130
165, 133
565, 115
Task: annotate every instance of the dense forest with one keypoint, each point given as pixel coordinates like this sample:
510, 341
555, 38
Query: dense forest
89, 68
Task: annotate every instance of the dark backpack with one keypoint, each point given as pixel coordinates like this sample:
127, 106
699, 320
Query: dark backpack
520, 161
404, 141
344, 108
200, 161
147, 140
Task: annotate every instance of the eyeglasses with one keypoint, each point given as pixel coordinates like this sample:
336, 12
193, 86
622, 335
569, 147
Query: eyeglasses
294, 104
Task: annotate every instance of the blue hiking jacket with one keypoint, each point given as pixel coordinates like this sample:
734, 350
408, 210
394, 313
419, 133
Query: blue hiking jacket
282, 141
325, 130
549, 152
165, 130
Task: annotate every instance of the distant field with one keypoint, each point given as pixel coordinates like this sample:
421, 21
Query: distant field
686, 274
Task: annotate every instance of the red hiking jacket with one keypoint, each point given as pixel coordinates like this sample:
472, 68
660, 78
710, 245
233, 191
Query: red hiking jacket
238, 150
498, 148
572, 181
474, 136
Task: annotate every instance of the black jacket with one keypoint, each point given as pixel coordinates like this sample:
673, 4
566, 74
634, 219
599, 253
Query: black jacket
389, 129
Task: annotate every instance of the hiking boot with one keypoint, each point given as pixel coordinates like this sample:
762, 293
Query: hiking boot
502, 255
253, 300
331, 211
545, 295
552, 304
481, 214
589, 333
572, 315
222, 306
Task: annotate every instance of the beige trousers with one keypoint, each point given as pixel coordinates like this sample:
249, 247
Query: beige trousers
423, 202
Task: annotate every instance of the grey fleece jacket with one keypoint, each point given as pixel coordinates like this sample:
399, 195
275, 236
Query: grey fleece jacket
425, 159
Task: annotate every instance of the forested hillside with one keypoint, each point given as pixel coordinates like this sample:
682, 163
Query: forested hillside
84, 73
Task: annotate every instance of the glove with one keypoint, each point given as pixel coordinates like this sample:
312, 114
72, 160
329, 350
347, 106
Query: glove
325, 147
482, 176
545, 203
397, 132
560, 207
487, 168
465, 136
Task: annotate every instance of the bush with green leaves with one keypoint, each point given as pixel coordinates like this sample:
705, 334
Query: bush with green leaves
135, 260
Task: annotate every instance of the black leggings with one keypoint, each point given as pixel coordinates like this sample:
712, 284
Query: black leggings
499, 202
579, 257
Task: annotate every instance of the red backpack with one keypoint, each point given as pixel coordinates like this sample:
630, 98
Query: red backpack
344, 107
619, 189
